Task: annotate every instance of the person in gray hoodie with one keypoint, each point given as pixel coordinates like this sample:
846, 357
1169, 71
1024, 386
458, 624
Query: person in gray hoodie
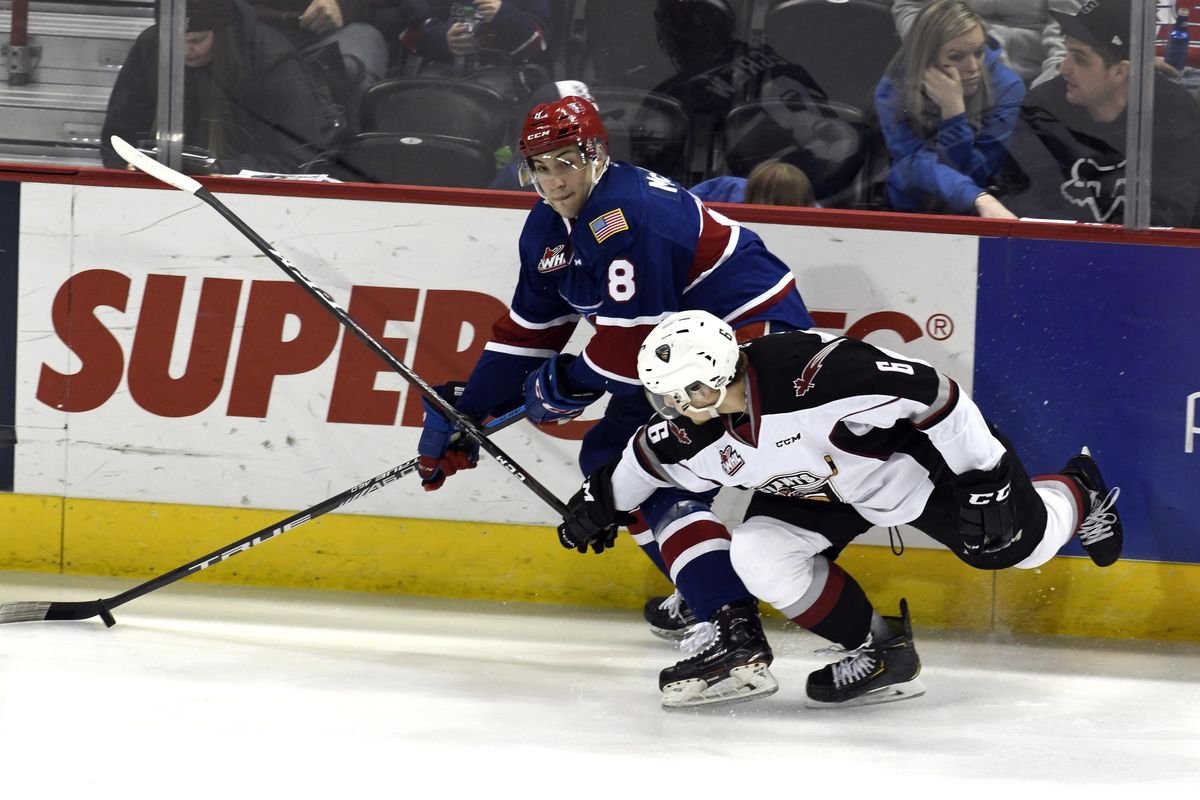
1029, 35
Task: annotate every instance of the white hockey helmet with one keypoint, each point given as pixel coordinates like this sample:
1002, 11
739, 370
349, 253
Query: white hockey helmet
685, 351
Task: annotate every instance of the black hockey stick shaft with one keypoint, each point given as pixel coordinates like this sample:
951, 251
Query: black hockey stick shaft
85, 609
169, 176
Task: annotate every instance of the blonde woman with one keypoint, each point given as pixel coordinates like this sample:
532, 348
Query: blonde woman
947, 106
1027, 30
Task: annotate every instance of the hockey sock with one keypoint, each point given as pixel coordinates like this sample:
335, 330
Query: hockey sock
839, 609
644, 537
695, 550
709, 582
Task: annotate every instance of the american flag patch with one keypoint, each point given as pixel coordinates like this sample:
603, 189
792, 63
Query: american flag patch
608, 224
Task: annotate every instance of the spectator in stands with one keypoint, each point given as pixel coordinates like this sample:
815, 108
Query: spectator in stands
770, 183
247, 99
1068, 152
460, 37
947, 107
314, 25
1029, 36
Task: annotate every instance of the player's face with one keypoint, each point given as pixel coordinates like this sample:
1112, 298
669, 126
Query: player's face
699, 402
964, 55
565, 179
1089, 82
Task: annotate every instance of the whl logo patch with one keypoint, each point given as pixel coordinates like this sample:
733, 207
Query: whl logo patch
554, 258
731, 460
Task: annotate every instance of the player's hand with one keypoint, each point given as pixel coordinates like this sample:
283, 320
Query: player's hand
322, 16
487, 10
548, 394
987, 520
440, 455
592, 517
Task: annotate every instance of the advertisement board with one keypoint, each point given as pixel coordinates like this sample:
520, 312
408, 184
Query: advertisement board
160, 357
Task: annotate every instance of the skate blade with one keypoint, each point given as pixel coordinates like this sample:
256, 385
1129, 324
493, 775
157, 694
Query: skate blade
747, 682
887, 694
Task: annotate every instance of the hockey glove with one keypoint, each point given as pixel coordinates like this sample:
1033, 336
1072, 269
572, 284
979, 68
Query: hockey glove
592, 517
548, 395
986, 518
440, 454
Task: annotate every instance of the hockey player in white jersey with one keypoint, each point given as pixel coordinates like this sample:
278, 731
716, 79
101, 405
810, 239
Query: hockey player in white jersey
834, 435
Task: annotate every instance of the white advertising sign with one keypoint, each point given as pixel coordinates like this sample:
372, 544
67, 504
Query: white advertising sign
162, 358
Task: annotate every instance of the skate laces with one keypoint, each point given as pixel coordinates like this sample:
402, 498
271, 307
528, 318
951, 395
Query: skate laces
699, 638
673, 606
1098, 525
855, 665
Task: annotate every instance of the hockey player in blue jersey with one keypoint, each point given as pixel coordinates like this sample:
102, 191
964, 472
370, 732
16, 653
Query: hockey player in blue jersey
623, 248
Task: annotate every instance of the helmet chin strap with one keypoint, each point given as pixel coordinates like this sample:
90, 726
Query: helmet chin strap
711, 410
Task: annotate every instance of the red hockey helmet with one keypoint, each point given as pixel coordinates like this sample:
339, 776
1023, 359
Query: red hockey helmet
569, 121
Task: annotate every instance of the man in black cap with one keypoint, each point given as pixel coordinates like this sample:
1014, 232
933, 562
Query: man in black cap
1068, 151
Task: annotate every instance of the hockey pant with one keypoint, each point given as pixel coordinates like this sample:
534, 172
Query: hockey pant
783, 559
677, 530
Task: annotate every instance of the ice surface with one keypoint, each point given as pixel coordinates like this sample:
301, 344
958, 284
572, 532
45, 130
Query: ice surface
211, 691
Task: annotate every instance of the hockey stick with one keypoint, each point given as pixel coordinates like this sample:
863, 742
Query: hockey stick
148, 165
85, 609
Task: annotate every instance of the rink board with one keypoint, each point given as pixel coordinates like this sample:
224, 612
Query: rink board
523, 563
170, 388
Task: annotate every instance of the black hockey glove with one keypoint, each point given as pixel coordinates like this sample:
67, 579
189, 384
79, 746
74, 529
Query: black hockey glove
986, 518
592, 517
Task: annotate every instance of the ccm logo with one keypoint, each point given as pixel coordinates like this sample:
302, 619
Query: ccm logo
987, 498
787, 441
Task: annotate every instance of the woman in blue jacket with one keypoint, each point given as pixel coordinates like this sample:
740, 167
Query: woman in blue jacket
947, 106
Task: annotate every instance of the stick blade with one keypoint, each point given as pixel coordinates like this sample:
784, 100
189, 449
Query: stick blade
139, 160
40, 611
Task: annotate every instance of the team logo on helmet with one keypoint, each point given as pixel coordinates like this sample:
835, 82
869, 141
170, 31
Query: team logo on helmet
663, 351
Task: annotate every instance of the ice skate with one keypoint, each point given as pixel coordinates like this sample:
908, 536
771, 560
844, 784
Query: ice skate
729, 660
873, 672
669, 617
1100, 532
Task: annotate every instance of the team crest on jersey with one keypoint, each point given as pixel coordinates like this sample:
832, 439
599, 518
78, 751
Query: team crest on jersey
808, 375
680, 433
554, 258
663, 351
804, 483
731, 460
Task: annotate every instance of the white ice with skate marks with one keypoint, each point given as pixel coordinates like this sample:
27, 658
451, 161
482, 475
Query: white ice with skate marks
244, 693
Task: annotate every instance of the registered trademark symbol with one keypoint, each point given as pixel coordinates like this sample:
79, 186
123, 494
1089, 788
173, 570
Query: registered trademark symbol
939, 326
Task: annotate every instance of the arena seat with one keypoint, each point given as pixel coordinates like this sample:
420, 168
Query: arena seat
437, 106
425, 160
644, 128
829, 141
844, 46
